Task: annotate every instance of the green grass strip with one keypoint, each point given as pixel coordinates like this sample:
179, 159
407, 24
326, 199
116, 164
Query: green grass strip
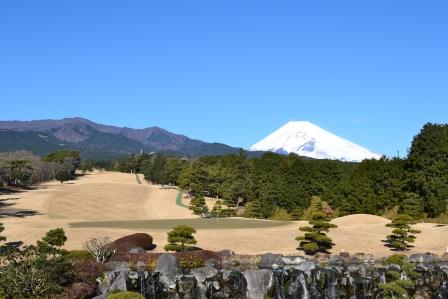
179, 200
200, 223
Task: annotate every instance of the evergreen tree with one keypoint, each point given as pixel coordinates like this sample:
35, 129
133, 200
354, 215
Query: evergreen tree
198, 205
315, 240
428, 165
256, 210
217, 210
180, 238
62, 176
403, 234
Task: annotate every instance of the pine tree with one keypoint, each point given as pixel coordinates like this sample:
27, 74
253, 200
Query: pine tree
256, 209
217, 210
315, 240
198, 205
403, 234
180, 238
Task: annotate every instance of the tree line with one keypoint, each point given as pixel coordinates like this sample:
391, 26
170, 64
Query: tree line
272, 183
22, 169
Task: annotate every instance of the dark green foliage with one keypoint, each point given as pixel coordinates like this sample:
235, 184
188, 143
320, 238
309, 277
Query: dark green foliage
19, 172
428, 167
397, 259
198, 205
55, 237
180, 238
125, 295
417, 186
36, 270
398, 287
315, 240
217, 210
62, 176
403, 234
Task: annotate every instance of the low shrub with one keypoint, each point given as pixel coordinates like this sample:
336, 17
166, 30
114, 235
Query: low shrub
191, 262
80, 255
125, 295
281, 215
143, 240
397, 259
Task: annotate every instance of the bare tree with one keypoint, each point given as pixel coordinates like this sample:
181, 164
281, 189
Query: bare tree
100, 248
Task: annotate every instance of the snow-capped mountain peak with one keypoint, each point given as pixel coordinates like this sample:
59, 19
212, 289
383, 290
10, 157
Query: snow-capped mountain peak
306, 139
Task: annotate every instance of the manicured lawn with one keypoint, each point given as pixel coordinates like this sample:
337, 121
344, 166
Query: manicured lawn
179, 200
210, 223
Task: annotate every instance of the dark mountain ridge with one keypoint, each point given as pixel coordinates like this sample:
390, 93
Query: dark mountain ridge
98, 141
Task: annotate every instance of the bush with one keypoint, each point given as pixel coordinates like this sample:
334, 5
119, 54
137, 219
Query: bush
281, 215
397, 259
85, 273
191, 262
180, 238
36, 270
125, 295
143, 240
80, 255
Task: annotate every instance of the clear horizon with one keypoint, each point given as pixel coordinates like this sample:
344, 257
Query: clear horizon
230, 72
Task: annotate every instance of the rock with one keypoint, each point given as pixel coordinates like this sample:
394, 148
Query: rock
140, 266
306, 267
355, 260
336, 260
137, 250
293, 260
216, 285
119, 266
425, 258
225, 253
445, 257
211, 262
104, 296
421, 293
168, 265
258, 282
344, 254
269, 259
118, 283
202, 291
207, 272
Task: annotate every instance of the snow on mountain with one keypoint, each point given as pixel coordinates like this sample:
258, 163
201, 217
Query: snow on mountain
306, 139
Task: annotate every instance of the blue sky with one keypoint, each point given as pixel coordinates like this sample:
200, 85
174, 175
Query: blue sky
230, 71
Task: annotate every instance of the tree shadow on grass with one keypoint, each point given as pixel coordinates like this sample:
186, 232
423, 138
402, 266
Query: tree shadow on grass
7, 210
392, 248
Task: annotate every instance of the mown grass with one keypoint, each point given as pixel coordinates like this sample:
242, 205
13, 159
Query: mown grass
179, 200
209, 223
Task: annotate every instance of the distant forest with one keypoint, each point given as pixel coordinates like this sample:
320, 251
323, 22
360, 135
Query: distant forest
276, 184
417, 185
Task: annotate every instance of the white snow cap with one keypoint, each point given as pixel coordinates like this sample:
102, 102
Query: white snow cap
306, 139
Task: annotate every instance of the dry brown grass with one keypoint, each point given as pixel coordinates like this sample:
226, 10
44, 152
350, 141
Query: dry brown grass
118, 196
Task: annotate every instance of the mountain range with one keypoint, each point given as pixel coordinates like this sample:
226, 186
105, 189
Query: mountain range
104, 142
306, 139
98, 141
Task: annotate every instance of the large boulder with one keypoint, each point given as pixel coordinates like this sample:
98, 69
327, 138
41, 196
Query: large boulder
268, 260
169, 269
258, 282
167, 264
124, 244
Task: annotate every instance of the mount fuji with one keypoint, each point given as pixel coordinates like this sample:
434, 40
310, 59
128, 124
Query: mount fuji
306, 139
